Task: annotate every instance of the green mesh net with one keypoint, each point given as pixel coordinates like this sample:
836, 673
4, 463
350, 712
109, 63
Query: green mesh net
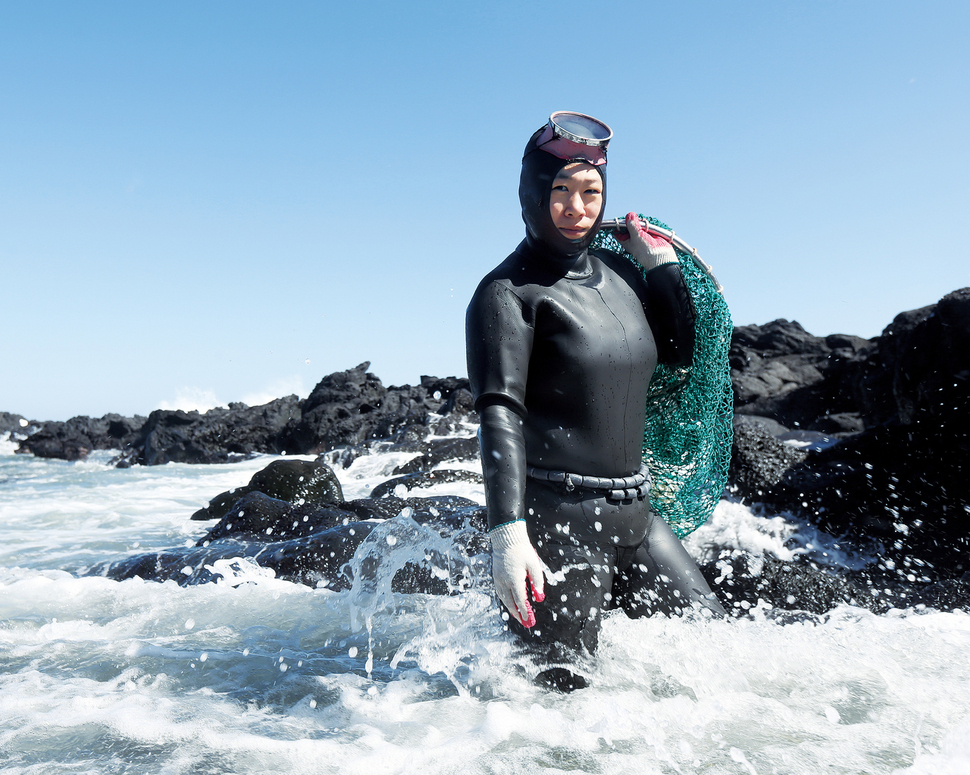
690, 411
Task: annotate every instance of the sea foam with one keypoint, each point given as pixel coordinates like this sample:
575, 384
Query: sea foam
255, 674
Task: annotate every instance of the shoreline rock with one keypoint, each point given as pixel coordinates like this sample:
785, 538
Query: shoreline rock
869, 440
345, 408
902, 481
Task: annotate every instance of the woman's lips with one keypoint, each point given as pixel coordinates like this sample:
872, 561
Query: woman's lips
573, 231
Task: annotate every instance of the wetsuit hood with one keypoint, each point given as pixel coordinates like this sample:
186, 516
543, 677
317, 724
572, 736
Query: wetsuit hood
539, 169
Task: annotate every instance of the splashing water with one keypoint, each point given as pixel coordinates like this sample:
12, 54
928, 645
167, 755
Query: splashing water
388, 550
253, 674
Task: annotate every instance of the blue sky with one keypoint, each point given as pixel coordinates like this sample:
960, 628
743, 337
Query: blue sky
205, 202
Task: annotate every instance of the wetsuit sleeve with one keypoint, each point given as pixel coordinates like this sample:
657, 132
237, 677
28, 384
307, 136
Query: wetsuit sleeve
498, 344
671, 314
503, 464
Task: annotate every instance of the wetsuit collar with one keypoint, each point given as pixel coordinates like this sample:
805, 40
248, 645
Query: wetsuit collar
573, 267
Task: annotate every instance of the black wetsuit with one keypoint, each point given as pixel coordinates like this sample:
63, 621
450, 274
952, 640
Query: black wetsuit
561, 345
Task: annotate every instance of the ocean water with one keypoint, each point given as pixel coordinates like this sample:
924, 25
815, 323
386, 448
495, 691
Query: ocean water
257, 675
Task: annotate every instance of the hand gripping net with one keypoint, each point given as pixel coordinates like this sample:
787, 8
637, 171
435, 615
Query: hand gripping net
690, 411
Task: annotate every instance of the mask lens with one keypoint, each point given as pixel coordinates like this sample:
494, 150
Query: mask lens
580, 128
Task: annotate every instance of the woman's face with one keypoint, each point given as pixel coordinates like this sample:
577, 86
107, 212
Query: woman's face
576, 200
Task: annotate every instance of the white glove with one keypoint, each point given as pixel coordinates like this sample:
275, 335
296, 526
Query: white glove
649, 249
513, 561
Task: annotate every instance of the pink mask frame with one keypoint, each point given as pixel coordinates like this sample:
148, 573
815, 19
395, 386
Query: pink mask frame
564, 144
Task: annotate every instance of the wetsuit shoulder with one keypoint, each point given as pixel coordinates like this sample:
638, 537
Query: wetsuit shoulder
623, 267
499, 331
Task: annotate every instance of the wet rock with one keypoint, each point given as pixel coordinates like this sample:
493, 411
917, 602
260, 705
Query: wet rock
315, 560
867, 439
423, 480
76, 438
289, 481
742, 582
900, 483
258, 517
424, 510
291, 519
759, 460
318, 544
312, 545
897, 486
437, 451
782, 372
18, 426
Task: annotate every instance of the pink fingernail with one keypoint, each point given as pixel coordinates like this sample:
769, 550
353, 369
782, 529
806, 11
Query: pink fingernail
538, 594
529, 620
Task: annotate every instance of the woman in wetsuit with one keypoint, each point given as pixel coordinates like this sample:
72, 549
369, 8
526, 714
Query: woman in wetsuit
561, 344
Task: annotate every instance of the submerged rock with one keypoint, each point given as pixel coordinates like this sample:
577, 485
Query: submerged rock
420, 480
439, 545
315, 545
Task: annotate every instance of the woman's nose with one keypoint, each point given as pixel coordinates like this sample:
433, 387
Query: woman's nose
574, 205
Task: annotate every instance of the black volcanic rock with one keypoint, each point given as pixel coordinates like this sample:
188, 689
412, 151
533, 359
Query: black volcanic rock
16, 424
313, 544
291, 482
423, 479
439, 545
257, 517
759, 460
76, 438
315, 560
921, 371
903, 483
897, 486
350, 407
437, 451
867, 439
217, 436
782, 372
742, 582
346, 408
336, 412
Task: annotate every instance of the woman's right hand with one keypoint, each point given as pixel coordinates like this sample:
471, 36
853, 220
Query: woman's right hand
513, 561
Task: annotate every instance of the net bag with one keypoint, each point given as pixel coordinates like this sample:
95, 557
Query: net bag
690, 411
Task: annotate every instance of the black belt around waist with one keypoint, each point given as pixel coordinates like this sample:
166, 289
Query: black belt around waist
618, 488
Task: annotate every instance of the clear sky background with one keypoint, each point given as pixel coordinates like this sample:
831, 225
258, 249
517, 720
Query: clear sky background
204, 202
